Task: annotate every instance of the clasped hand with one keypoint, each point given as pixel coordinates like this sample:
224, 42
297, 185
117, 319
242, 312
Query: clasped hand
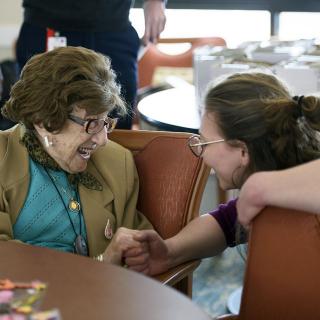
143, 251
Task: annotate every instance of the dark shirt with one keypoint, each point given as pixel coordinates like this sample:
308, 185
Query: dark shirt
78, 15
226, 216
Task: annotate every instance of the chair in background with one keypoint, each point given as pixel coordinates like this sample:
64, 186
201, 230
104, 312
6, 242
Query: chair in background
282, 274
155, 58
172, 181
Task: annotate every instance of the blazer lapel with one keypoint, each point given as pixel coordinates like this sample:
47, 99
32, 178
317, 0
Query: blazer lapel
97, 208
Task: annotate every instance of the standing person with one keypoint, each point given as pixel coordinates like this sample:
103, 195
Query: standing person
251, 123
8, 76
102, 26
63, 185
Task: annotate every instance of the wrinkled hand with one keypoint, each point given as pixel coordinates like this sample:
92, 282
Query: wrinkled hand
152, 257
155, 20
122, 241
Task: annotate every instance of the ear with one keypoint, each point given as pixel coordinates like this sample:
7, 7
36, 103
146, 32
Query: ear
244, 155
41, 130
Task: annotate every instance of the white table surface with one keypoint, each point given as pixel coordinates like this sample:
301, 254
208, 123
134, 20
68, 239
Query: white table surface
176, 106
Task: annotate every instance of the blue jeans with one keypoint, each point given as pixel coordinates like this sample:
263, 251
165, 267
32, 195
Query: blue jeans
121, 47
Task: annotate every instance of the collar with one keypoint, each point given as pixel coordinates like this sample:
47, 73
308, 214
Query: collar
38, 154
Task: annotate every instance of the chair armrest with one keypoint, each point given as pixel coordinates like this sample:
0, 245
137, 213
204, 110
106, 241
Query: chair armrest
177, 273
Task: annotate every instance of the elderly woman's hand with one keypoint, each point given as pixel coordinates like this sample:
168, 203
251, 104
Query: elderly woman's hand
122, 241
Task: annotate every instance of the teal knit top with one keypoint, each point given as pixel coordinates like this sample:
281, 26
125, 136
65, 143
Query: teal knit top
43, 219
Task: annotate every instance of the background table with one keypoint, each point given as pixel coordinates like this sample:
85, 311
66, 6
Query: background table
171, 110
82, 288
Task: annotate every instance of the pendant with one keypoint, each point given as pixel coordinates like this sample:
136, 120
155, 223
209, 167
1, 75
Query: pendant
108, 233
80, 246
74, 205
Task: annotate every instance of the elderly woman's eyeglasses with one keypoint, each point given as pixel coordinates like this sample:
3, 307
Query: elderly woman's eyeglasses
93, 126
197, 147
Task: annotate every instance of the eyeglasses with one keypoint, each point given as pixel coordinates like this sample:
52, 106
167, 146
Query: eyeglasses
93, 126
197, 147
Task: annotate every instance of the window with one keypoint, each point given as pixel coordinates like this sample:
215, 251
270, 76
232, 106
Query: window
299, 25
235, 26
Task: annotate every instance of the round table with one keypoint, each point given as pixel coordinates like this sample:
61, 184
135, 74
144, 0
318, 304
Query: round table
82, 288
171, 110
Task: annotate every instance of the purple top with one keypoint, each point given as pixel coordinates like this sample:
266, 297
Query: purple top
226, 216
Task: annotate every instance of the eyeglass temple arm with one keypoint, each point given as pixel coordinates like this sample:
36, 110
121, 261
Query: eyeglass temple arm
205, 143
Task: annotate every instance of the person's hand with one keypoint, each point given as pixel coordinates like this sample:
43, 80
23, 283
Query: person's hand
251, 200
122, 241
153, 255
155, 20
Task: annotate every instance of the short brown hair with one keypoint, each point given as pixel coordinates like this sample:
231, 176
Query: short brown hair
53, 83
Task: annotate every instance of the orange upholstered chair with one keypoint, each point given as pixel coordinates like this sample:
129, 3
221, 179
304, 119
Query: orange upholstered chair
172, 181
282, 275
155, 58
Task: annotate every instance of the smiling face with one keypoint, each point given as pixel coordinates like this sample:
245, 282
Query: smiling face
228, 162
72, 147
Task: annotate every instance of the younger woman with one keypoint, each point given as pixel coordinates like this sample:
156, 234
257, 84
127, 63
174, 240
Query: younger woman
251, 123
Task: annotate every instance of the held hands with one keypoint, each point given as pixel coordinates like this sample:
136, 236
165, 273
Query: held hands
143, 251
155, 20
122, 241
152, 257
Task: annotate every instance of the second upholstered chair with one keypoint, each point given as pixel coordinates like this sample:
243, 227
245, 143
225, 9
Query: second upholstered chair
282, 275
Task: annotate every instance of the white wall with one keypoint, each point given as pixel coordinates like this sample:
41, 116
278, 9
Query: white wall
10, 21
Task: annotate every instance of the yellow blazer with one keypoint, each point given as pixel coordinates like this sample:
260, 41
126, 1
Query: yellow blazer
112, 165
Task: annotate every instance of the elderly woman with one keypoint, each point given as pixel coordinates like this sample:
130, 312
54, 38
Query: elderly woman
63, 184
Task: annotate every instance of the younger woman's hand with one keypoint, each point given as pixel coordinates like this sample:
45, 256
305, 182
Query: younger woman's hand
152, 257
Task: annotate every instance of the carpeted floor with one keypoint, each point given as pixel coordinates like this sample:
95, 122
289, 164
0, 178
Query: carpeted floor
215, 279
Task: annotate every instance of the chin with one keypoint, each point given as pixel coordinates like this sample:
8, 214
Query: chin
224, 186
78, 168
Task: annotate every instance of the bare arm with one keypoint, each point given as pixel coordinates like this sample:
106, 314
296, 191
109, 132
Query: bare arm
294, 188
155, 20
201, 238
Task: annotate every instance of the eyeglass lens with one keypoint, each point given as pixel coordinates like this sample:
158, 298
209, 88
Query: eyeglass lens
96, 125
194, 145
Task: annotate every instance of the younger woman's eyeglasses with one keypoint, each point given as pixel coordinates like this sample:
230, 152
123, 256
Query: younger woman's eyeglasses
197, 147
93, 126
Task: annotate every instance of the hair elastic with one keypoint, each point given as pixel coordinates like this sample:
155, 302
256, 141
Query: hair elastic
299, 99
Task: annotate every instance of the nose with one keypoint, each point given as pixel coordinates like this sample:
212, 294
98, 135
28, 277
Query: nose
100, 138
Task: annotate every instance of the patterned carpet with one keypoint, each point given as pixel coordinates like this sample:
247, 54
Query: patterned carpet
215, 279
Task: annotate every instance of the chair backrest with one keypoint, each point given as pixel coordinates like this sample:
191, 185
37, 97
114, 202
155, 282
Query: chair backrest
155, 58
172, 179
282, 279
